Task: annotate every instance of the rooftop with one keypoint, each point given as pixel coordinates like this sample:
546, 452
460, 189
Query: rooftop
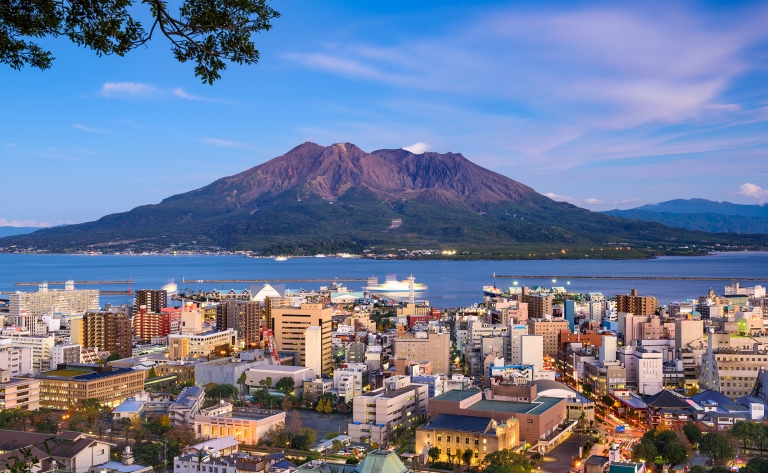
460, 423
456, 395
119, 466
536, 407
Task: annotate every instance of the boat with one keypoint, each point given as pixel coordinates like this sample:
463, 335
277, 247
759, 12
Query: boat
393, 287
319, 256
281, 258
492, 290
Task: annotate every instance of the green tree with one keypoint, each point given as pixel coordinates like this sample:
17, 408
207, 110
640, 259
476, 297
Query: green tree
506, 461
664, 438
112, 356
744, 431
152, 373
304, 438
697, 469
758, 464
692, 432
645, 451
675, 453
720, 469
336, 446
285, 385
433, 453
205, 32
716, 446
467, 456
221, 391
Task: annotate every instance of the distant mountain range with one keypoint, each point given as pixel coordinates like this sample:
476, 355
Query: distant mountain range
10, 231
339, 198
702, 214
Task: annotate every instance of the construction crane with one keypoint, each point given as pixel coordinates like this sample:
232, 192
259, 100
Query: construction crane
269, 341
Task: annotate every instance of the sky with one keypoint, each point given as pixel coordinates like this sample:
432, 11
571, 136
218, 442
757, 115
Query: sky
605, 105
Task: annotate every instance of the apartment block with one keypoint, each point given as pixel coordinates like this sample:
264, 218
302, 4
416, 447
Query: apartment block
636, 304
148, 325
243, 317
687, 331
200, 346
45, 301
290, 324
376, 414
549, 329
65, 354
69, 384
154, 300
425, 346
19, 393
351, 380
15, 359
41, 349
108, 330
539, 305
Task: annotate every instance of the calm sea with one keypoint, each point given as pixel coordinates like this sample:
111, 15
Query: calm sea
449, 283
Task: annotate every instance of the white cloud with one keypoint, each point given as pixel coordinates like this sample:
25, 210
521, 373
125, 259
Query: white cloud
591, 201
23, 223
562, 198
85, 128
753, 191
129, 90
223, 143
417, 148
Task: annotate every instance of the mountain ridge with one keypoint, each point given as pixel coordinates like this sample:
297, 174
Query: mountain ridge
340, 198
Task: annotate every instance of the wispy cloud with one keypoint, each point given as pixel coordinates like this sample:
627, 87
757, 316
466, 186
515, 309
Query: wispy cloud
753, 191
417, 148
223, 143
25, 223
134, 90
85, 128
591, 202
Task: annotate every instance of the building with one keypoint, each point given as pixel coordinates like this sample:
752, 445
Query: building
425, 346
108, 330
226, 370
72, 451
666, 407
605, 377
148, 325
245, 318
200, 346
376, 414
351, 380
154, 300
514, 353
300, 374
732, 371
19, 393
549, 329
41, 347
635, 304
247, 425
644, 369
65, 354
687, 331
241, 462
15, 359
539, 305
69, 384
482, 435
290, 326
186, 405
46, 301
539, 419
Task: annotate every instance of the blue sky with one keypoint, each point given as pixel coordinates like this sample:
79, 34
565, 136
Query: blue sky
607, 105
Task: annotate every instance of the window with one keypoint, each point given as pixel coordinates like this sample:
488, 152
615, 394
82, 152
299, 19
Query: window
439, 438
448, 439
466, 440
530, 421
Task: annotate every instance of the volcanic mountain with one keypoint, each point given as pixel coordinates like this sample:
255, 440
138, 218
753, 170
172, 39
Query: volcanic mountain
317, 199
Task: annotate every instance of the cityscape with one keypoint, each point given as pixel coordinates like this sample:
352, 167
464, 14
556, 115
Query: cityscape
327, 236
329, 379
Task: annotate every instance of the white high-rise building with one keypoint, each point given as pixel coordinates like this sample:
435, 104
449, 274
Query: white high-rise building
645, 369
15, 359
515, 355
313, 349
532, 349
608, 349
41, 349
47, 301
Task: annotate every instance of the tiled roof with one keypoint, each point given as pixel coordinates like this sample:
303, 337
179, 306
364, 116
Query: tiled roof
461, 423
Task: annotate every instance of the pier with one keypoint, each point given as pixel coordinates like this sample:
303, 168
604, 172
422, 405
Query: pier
102, 292
63, 283
631, 278
242, 281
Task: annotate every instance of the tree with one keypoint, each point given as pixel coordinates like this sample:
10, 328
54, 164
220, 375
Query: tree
697, 469
587, 388
675, 453
152, 373
606, 399
221, 391
308, 399
716, 446
433, 453
758, 464
321, 405
693, 390
645, 452
285, 385
720, 469
327, 406
304, 438
506, 461
336, 446
664, 438
112, 356
744, 431
467, 456
205, 32
692, 432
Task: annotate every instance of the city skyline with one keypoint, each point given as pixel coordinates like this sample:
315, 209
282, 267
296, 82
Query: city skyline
560, 98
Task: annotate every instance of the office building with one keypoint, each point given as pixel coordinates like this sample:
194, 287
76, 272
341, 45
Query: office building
424, 346
605, 377
608, 348
539, 305
351, 380
154, 300
290, 324
644, 369
70, 384
19, 393
549, 329
246, 425
515, 354
15, 359
245, 318
532, 351
108, 330
376, 414
148, 325
687, 331
200, 346
482, 435
65, 354
731, 371
636, 304
47, 301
